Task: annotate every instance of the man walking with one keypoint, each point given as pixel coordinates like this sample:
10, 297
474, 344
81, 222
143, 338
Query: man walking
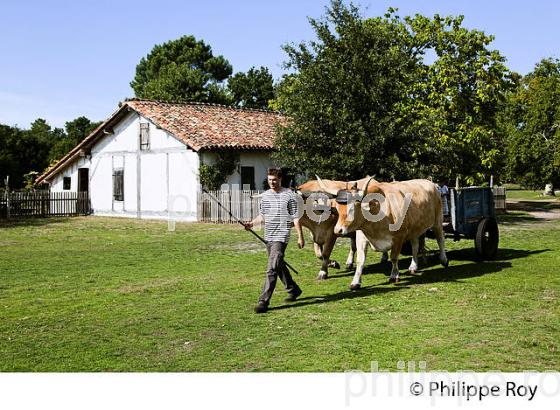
278, 209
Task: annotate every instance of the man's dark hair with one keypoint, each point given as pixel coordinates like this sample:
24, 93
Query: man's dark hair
275, 172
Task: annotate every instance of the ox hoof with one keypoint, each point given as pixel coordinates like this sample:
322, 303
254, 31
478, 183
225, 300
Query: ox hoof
355, 286
349, 266
412, 271
394, 280
334, 264
445, 264
322, 276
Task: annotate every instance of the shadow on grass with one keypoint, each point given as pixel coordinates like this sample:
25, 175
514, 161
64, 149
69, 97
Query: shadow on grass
32, 221
450, 274
469, 254
534, 205
431, 260
440, 274
380, 267
512, 219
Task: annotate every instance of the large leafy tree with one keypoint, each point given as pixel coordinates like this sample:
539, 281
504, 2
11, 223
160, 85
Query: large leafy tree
76, 131
182, 70
22, 151
532, 123
9, 161
32, 150
343, 97
253, 89
457, 98
365, 98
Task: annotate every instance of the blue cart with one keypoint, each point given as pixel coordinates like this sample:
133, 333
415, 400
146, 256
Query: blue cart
472, 215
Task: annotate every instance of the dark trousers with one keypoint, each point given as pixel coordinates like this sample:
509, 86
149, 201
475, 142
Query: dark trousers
276, 268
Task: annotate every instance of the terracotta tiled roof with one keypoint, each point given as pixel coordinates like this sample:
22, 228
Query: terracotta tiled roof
210, 126
200, 126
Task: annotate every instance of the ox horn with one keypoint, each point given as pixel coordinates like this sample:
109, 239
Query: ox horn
325, 188
364, 192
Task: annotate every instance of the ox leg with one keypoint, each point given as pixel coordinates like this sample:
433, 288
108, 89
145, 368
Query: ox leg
395, 252
361, 249
422, 249
325, 255
414, 263
318, 249
352, 253
384, 256
441, 243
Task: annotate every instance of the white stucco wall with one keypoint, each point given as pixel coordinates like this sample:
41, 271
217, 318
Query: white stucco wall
72, 172
161, 179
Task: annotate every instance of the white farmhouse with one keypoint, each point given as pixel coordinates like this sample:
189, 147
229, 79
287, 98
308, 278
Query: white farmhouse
144, 160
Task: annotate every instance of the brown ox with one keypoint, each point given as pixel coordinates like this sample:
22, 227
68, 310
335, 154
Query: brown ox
323, 233
389, 214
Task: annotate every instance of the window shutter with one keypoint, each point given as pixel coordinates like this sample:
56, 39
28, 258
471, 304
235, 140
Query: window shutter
118, 185
144, 136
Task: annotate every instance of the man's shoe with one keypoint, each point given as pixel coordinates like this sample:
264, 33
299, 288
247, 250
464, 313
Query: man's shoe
261, 307
294, 295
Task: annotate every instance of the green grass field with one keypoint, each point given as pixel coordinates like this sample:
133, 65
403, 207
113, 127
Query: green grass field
526, 194
101, 294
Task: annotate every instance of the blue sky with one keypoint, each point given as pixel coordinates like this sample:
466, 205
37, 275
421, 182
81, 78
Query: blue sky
63, 59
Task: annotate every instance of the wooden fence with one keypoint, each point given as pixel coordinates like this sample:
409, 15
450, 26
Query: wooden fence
242, 204
245, 205
43, 203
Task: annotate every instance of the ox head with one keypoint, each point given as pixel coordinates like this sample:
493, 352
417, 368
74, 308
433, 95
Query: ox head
317, 204
350, 206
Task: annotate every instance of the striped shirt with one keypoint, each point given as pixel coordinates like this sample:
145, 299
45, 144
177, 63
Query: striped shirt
444, 192
278, 210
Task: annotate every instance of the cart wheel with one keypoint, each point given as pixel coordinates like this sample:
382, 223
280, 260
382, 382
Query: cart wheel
487, 239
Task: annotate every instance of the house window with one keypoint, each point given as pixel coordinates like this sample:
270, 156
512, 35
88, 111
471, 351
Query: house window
144, 136
248, 177
66, 183
118, 184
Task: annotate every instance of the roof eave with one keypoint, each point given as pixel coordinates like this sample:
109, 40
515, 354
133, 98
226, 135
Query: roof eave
236, 148
86, 142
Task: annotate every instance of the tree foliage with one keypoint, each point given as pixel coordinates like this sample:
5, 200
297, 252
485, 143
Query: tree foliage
213, 176
76, 131
532, 123
365, 99
253, 89
182, 70
24, 152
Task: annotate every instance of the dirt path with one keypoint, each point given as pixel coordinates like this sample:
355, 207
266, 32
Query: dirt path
543, 209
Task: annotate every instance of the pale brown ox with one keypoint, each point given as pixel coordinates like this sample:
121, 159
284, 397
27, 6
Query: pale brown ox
408, 210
